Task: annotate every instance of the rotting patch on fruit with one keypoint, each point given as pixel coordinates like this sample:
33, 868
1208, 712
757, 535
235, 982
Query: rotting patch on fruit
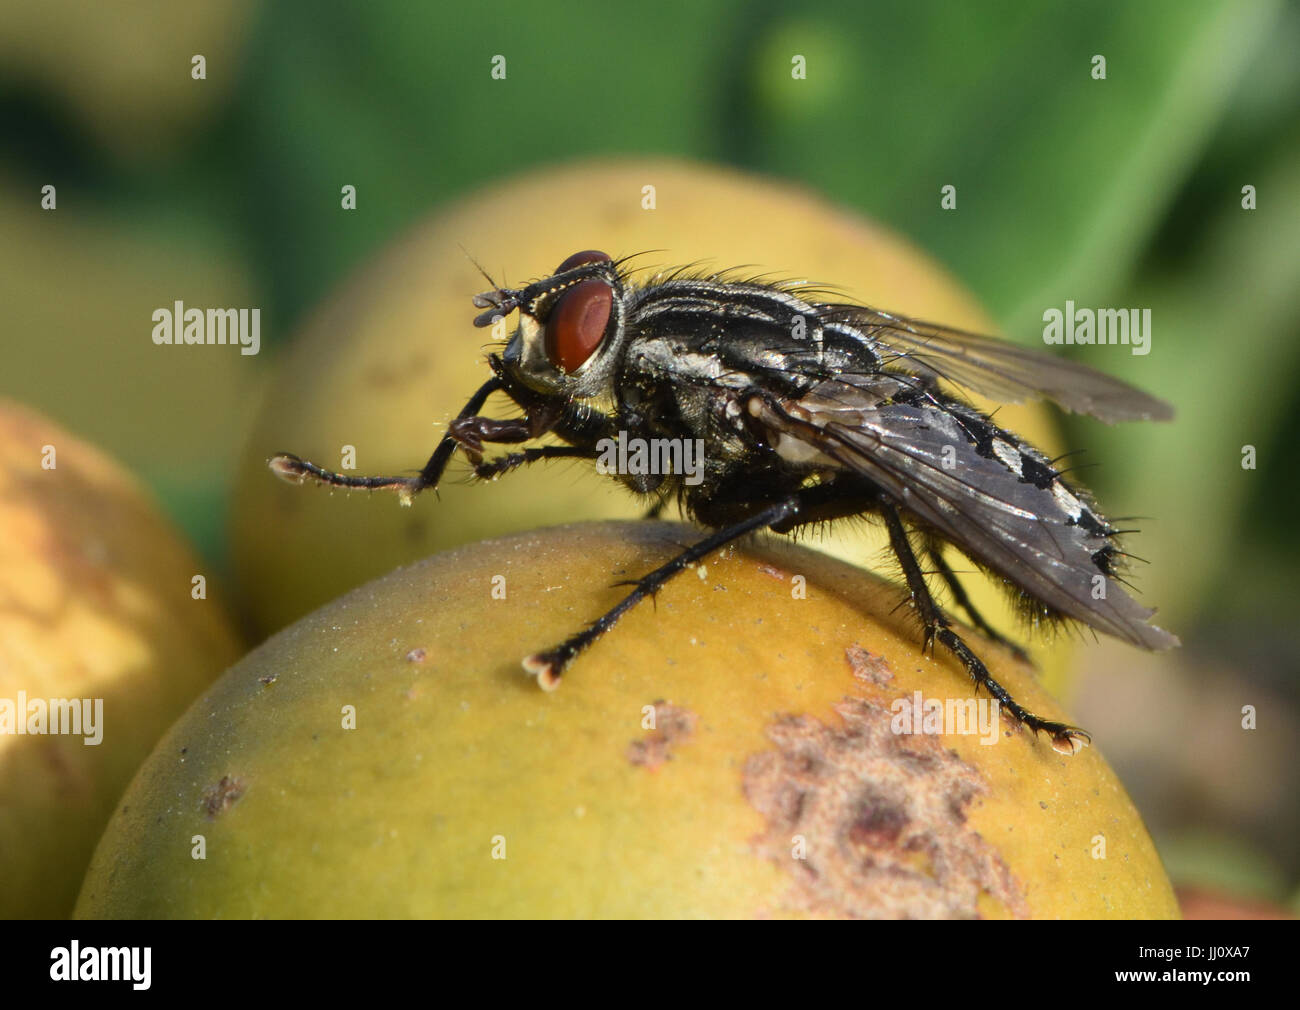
883, 817
673, 725
867, 667
219, 798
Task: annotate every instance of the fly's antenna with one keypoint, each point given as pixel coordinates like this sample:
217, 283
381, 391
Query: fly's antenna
499, 301
479, 267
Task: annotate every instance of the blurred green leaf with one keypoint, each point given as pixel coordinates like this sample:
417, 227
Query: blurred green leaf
1224, 352
1059, 177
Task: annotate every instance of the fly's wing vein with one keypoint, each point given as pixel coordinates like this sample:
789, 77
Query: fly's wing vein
995, 368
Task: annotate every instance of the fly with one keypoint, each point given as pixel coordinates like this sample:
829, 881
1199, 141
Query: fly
806, 411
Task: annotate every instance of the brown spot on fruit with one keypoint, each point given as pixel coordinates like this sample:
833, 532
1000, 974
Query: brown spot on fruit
879, 820
221, 797
673, 725
868, 667
872, 824
415, 656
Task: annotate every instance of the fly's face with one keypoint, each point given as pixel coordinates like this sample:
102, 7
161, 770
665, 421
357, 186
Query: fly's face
571, 328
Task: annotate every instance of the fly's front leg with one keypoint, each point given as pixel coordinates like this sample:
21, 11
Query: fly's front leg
1066, 739
549, 666
467, 432
488, 469
470, 433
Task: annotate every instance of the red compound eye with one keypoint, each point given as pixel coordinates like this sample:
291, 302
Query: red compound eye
576, 325
579, 258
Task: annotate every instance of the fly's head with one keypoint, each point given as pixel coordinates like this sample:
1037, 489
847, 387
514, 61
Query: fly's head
570, 328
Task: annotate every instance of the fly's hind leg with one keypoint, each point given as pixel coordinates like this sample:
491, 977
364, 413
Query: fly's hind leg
934, 551
1066, 739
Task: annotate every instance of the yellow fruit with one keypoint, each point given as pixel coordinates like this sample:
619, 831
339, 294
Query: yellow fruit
124, 72
84, 353
95, 604
393, 356
770, 784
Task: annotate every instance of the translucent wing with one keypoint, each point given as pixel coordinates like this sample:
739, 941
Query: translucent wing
994, 368
1019, 530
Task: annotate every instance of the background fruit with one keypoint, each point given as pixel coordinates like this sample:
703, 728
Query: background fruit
384, 364
124, 75
771, 730
83, 353
95, 602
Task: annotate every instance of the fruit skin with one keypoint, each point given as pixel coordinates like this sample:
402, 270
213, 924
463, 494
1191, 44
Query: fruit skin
766, 730
95, 602
388, 361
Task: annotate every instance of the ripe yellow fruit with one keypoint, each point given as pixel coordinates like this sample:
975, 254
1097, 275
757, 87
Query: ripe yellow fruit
393, 356
726, 751
95, 604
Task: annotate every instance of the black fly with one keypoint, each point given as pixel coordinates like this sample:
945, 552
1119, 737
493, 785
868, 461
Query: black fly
806, 411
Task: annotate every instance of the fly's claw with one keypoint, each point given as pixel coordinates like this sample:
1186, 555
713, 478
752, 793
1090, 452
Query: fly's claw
288, 467
545, 666
1068, 740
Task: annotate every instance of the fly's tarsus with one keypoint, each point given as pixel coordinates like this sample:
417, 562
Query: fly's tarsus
547, 667
294, 470
288, 467
1065, 739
